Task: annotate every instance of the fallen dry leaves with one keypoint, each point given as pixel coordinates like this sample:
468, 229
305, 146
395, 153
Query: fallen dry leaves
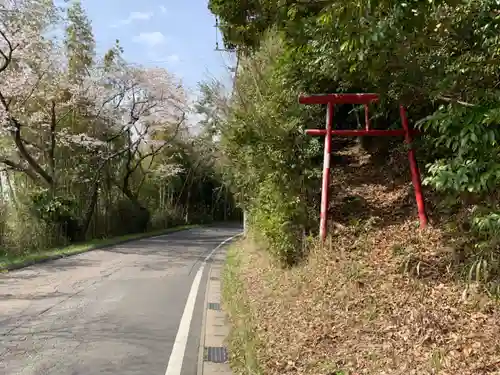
376, 299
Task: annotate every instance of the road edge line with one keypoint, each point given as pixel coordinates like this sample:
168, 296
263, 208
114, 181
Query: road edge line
176, 360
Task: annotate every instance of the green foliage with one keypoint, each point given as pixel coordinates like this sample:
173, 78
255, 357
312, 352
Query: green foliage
23, 232
482, 263
467, 140
51, 208
266, 154
130, 218
243, 339
438, 57
488, 223
279, 218
79, 42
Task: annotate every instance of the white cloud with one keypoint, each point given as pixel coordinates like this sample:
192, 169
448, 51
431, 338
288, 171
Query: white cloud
134, 16
151, 39
139, 16
163, 9
173, 58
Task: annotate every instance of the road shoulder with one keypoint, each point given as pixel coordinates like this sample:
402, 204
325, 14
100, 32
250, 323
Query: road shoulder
213, 356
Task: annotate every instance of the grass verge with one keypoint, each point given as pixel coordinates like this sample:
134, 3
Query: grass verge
243, 343
8, 263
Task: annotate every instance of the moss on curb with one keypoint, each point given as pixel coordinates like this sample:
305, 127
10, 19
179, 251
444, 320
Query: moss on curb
28, 259
243, 340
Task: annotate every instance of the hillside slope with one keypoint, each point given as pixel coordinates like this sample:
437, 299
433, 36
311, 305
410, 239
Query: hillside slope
381, 297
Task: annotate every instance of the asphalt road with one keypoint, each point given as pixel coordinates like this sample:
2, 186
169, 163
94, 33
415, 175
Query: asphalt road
112, 311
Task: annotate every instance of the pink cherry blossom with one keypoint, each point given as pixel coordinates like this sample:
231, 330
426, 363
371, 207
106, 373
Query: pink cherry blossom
134, 103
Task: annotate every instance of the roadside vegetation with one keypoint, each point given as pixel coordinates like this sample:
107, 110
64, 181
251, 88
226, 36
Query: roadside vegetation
93, 147
244, 344
382, 296
10, 262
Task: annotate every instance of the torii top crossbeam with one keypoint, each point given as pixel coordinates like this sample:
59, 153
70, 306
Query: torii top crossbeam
339, 99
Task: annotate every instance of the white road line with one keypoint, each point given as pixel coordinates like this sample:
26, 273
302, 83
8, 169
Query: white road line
174, 366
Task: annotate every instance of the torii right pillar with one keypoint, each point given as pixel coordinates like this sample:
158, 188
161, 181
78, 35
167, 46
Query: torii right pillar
415, 173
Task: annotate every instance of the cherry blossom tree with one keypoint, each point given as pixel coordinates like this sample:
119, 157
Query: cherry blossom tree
27, 65
140, 111
141, 106
125, 108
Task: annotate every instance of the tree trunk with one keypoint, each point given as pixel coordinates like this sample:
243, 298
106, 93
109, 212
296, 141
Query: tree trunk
186, 217
90, 211
225, 204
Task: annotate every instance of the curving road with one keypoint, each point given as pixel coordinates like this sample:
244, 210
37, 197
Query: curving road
110, 311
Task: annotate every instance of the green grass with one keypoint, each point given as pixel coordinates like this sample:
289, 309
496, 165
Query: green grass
21, 260
243, 340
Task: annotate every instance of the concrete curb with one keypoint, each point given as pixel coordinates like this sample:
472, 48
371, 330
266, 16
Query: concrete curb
201, 350
213, 353
49, 258
215, 326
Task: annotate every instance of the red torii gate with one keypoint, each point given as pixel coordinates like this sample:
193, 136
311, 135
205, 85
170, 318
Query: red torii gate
330, 100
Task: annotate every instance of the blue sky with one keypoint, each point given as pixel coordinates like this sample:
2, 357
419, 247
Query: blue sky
176, 34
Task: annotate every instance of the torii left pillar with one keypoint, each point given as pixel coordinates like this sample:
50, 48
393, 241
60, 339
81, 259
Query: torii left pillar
326, 171
330, 100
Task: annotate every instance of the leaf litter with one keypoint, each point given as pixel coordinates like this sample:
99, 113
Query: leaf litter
379, 297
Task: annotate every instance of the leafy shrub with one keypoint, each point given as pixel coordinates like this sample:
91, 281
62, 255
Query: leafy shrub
268, 154
278, 217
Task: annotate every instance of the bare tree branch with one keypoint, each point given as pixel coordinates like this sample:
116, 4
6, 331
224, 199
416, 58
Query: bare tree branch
19, 168
7, 57
457, 101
